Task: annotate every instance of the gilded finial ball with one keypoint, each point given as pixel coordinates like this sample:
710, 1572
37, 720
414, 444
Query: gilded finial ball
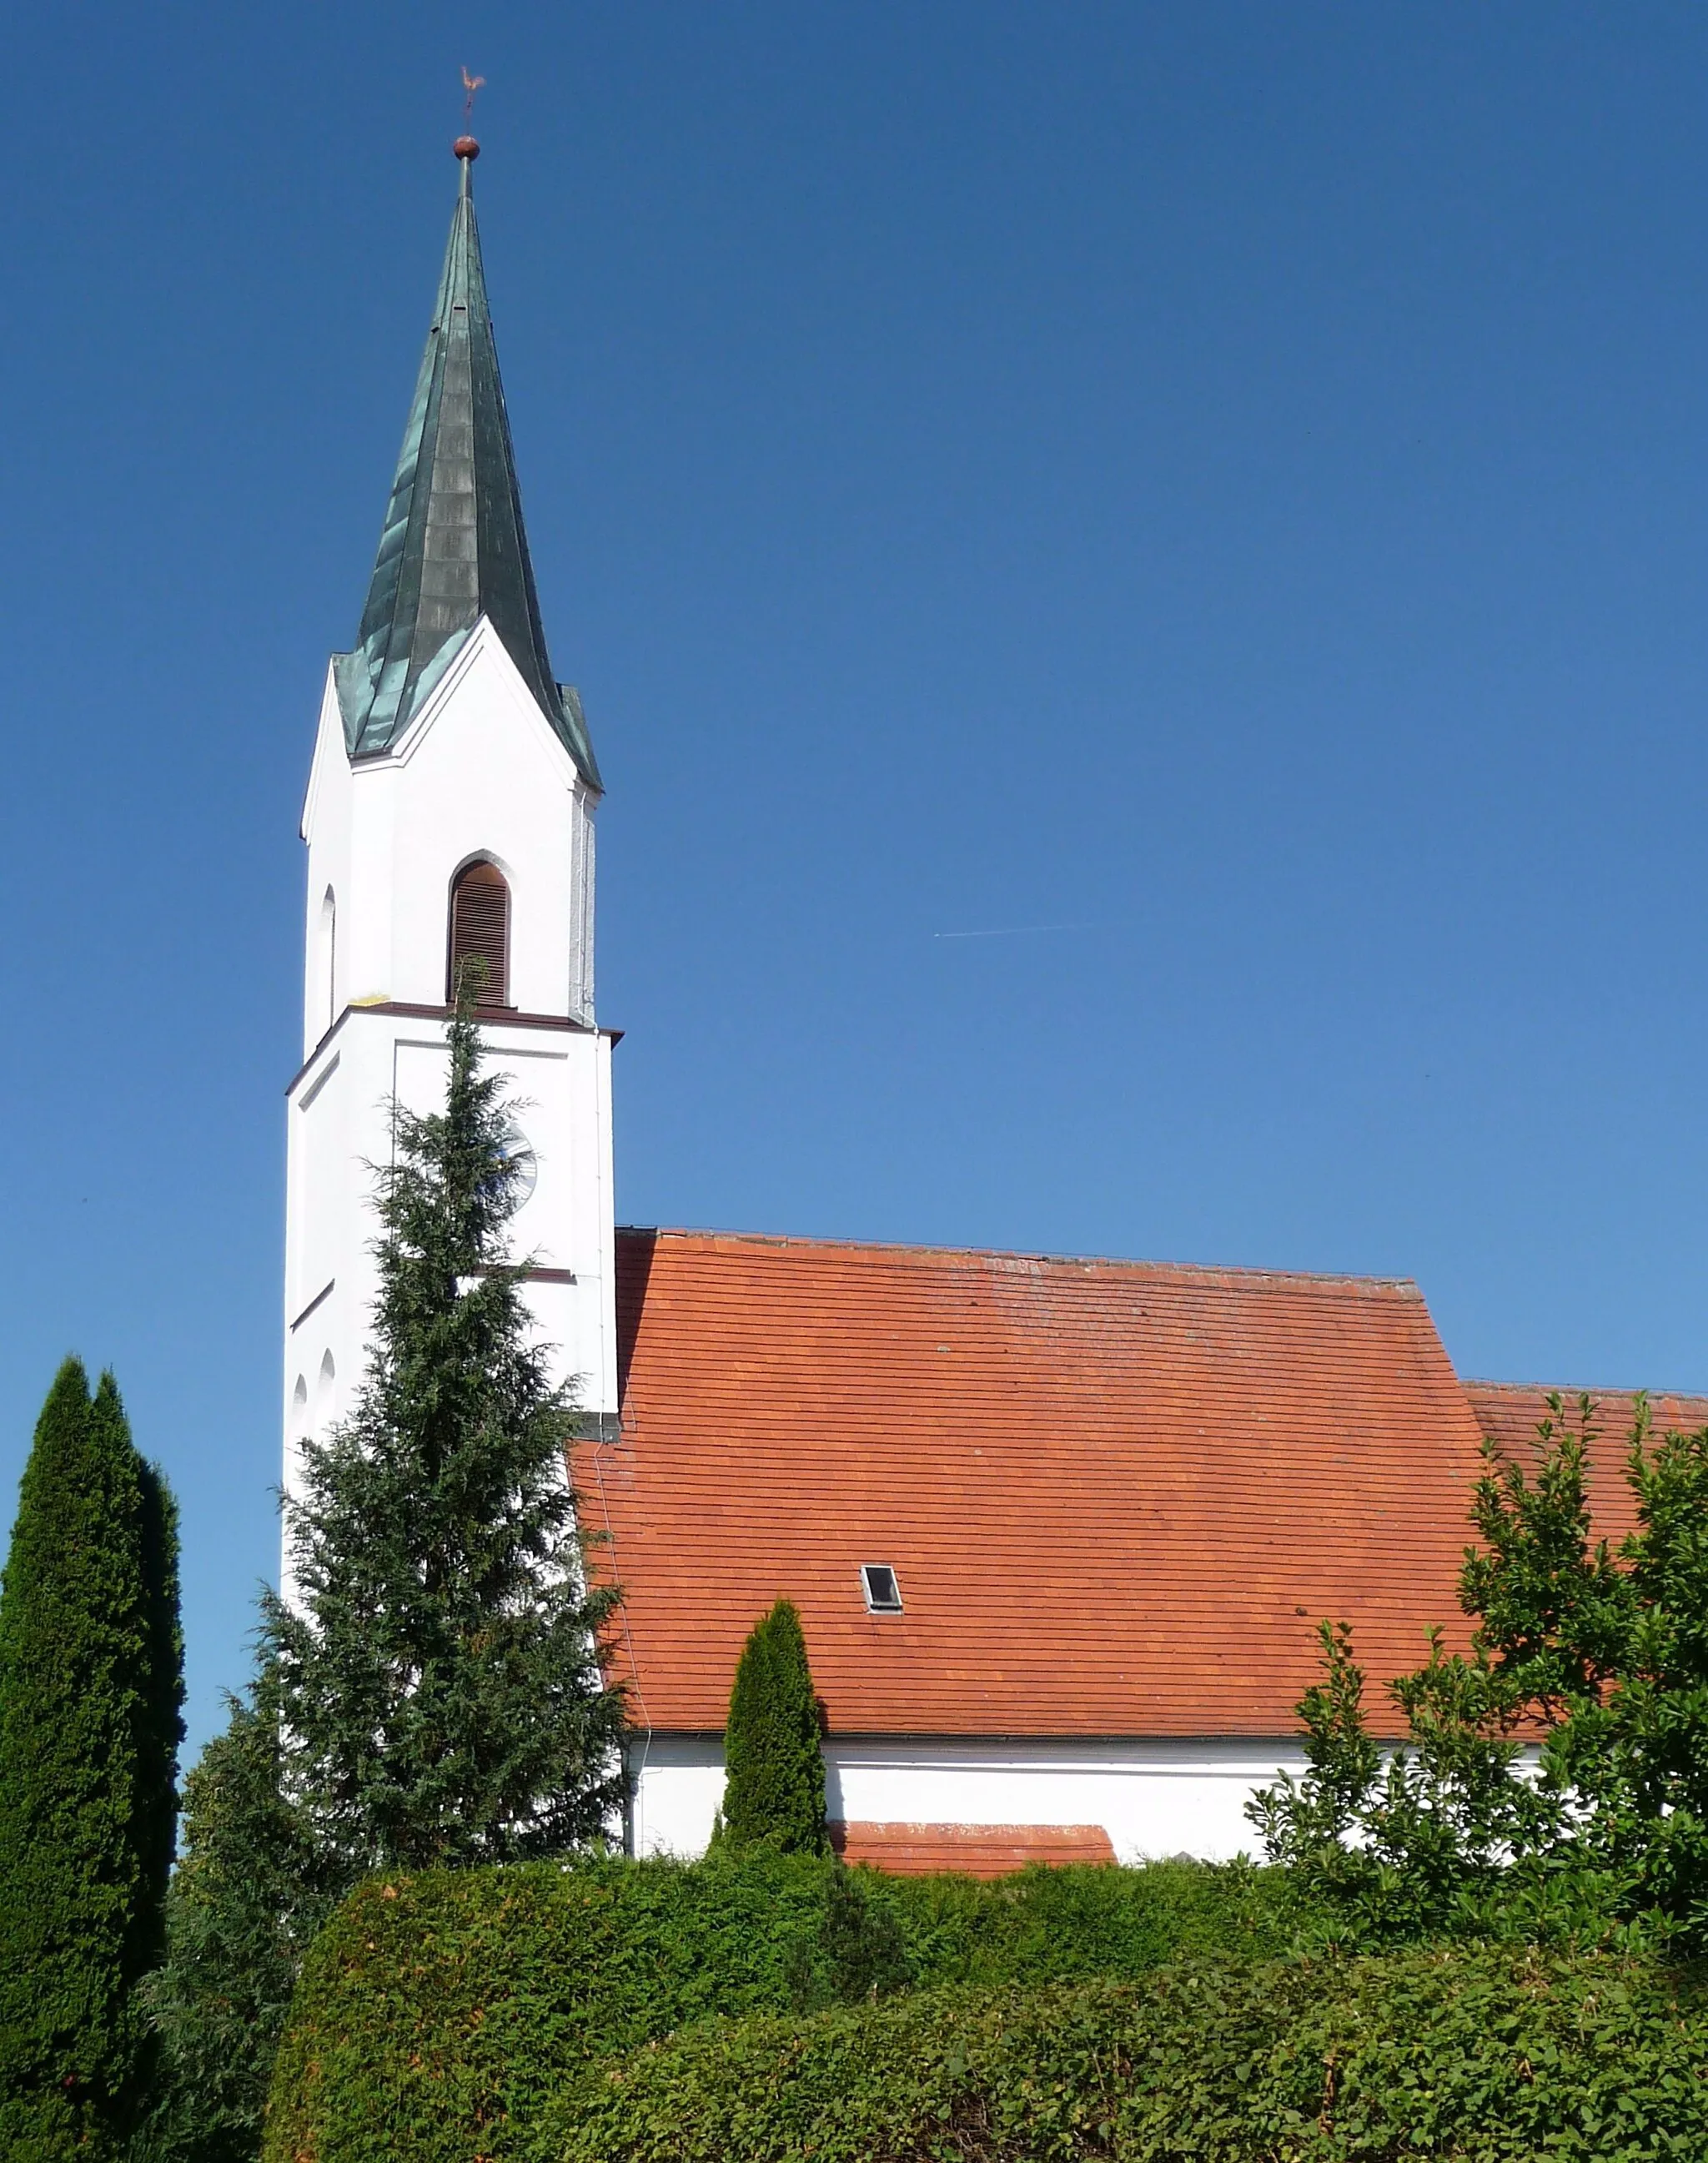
465, 146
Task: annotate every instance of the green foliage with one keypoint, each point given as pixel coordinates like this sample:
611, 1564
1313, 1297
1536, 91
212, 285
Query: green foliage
1045, 1924
765, 2004
439, 2016
1634, 1759
160, 1726
860, 1952
1307, 1823
90, 1688
622, 2011
1603, 1660
774, 1769
1421, 1843
248, 1896
438, 1680
431, 1692
1553, 1609
1426, 2054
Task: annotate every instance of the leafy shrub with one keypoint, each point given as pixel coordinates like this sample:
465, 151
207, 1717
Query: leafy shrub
1468, 2053
858, 1952
1601, 1657
440, 2016
1064, 1924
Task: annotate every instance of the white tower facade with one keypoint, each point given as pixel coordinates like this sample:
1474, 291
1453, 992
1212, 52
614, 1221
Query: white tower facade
450, 812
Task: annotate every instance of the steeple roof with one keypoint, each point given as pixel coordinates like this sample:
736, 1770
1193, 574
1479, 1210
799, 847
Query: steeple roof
454, 547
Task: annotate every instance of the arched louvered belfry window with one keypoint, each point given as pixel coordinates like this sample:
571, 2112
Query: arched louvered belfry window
480, 930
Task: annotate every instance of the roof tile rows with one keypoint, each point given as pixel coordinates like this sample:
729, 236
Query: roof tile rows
976, 1851
1117, 1496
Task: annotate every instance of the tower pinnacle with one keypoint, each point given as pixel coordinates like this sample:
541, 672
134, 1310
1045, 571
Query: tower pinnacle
454, 548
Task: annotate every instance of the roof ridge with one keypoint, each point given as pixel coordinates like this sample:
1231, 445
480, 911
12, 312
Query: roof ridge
1138, 1265
1581, 1389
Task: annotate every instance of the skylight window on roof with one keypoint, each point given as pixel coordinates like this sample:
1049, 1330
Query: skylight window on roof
883, 1592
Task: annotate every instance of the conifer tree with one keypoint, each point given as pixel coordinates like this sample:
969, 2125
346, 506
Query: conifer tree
774, 1769
439, 1678
91, 1691
161, 1727
249, 1893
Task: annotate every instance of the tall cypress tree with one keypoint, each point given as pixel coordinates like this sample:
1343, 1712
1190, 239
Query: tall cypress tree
774, 1769
91, 1692
439, 1677
160, 1724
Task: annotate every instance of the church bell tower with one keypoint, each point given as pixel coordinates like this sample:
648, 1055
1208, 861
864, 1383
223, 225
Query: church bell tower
450, 812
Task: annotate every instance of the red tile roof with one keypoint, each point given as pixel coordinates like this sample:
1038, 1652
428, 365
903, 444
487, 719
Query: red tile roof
1510, 1412
1118, 1497
916, 1850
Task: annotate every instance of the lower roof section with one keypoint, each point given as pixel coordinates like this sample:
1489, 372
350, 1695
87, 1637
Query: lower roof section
976, 1850
1511, 1413
1116, 1497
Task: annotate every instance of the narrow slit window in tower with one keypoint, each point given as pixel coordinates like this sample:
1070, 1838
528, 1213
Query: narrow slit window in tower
329, 956
480, 931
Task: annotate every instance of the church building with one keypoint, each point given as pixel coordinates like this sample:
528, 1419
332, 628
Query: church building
1060, 1530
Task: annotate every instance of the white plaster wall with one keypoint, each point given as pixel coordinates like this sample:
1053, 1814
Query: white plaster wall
1153, 1797
325, 826
479, 772
340, 1127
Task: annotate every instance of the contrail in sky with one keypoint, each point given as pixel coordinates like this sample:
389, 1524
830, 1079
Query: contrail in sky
1014, 931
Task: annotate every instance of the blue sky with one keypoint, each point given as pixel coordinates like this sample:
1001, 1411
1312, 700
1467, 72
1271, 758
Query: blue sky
1228, 484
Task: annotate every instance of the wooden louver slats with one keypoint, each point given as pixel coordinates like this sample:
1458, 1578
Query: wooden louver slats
480, 910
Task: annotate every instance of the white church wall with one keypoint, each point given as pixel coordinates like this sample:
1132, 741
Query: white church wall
581, 926
1153, 1797
479, 772
340, 1127
327, 828
336, 1130
677, 1783
560, 1082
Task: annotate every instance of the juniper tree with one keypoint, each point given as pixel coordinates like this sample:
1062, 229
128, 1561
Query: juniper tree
249, 1892
438, 1670
774, 1769
91, 1693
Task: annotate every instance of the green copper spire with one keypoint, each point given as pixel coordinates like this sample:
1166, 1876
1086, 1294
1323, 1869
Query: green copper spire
454, 547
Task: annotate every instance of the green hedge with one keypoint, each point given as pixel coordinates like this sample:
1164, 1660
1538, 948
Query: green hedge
440, 2017
1439, 2054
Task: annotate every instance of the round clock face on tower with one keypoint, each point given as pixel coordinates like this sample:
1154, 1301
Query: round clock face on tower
517, 1151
